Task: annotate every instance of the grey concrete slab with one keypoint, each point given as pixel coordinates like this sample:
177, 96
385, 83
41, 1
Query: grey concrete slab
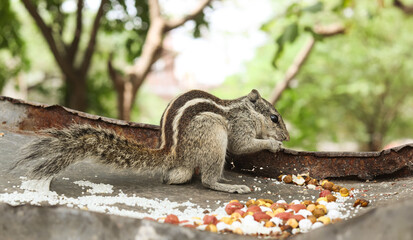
381, 192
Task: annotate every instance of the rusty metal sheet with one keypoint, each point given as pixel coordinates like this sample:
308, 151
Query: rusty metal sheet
18, 115
364, 165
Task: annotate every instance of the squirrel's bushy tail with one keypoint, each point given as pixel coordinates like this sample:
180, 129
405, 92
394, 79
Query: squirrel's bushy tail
50, 155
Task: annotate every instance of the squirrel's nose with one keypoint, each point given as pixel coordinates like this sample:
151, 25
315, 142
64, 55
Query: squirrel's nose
286, 137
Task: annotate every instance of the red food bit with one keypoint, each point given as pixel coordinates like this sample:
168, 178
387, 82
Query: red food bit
231, 207
254, 208
209, 219
190, 226
298, 217
324, 193
279, 205
297, 207
171, 218
261, 216
284, 215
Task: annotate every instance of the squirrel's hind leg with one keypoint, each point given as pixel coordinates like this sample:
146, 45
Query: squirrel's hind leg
178, 175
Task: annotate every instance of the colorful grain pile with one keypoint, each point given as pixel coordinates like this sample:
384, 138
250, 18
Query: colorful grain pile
264, 217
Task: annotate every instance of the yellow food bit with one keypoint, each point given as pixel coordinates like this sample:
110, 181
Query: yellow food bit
268, 201
311, 207
269, 224
323, 181
238, 231
292, 222
235, 200
344, 192
322, 199
227, 220
211, 228
279, 210
321, 206
236, 215
250, 202
260, 202
324, 219
270, 213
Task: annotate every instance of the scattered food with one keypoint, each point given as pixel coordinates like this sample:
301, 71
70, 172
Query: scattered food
361, 202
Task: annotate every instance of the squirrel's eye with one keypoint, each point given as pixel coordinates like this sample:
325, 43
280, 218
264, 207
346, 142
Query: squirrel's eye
274, 118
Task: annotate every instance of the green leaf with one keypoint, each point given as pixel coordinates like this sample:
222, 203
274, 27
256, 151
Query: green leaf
289, 35
293, 10
343, 4
314, 8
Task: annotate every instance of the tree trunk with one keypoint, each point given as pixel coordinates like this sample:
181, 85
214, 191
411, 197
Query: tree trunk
375, 142
76, 93
127, 87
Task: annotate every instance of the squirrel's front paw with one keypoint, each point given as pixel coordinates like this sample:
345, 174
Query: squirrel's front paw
275, 145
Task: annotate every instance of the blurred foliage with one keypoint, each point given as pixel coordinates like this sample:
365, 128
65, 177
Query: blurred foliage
12, 46
300, 18
352, 86
122, 32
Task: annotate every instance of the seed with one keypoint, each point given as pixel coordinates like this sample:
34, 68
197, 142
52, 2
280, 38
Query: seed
269, 224
322, 199
336, 188
331, 198
318, 212
279, 210
226, 220
344, 192
250, 202
292, 222
324, 219
288, 179
311, 207
312, 218
238, 231
171, 218
328, 185
321, 206
211, 228
361, 202
307, 202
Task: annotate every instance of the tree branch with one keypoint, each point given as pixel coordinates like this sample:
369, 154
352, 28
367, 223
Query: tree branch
84, 67
72, 50
154, 10
299, 60
180, 21
47, 34
408, 10
114, 75
292, 70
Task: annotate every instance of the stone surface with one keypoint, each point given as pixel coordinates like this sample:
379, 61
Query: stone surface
55, 222
31, 222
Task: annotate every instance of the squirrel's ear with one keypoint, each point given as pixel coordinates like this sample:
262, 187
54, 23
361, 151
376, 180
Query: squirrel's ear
254, 95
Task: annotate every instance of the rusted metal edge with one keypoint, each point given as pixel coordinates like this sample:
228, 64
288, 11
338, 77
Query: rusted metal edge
19, 115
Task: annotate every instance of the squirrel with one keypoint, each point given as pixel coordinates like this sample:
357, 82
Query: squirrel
197, 130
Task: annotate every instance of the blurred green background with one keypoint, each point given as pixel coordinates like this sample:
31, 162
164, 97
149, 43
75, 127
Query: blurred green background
347, 66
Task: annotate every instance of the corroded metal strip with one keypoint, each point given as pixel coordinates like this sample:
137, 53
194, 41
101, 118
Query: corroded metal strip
19, 115
364, 165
